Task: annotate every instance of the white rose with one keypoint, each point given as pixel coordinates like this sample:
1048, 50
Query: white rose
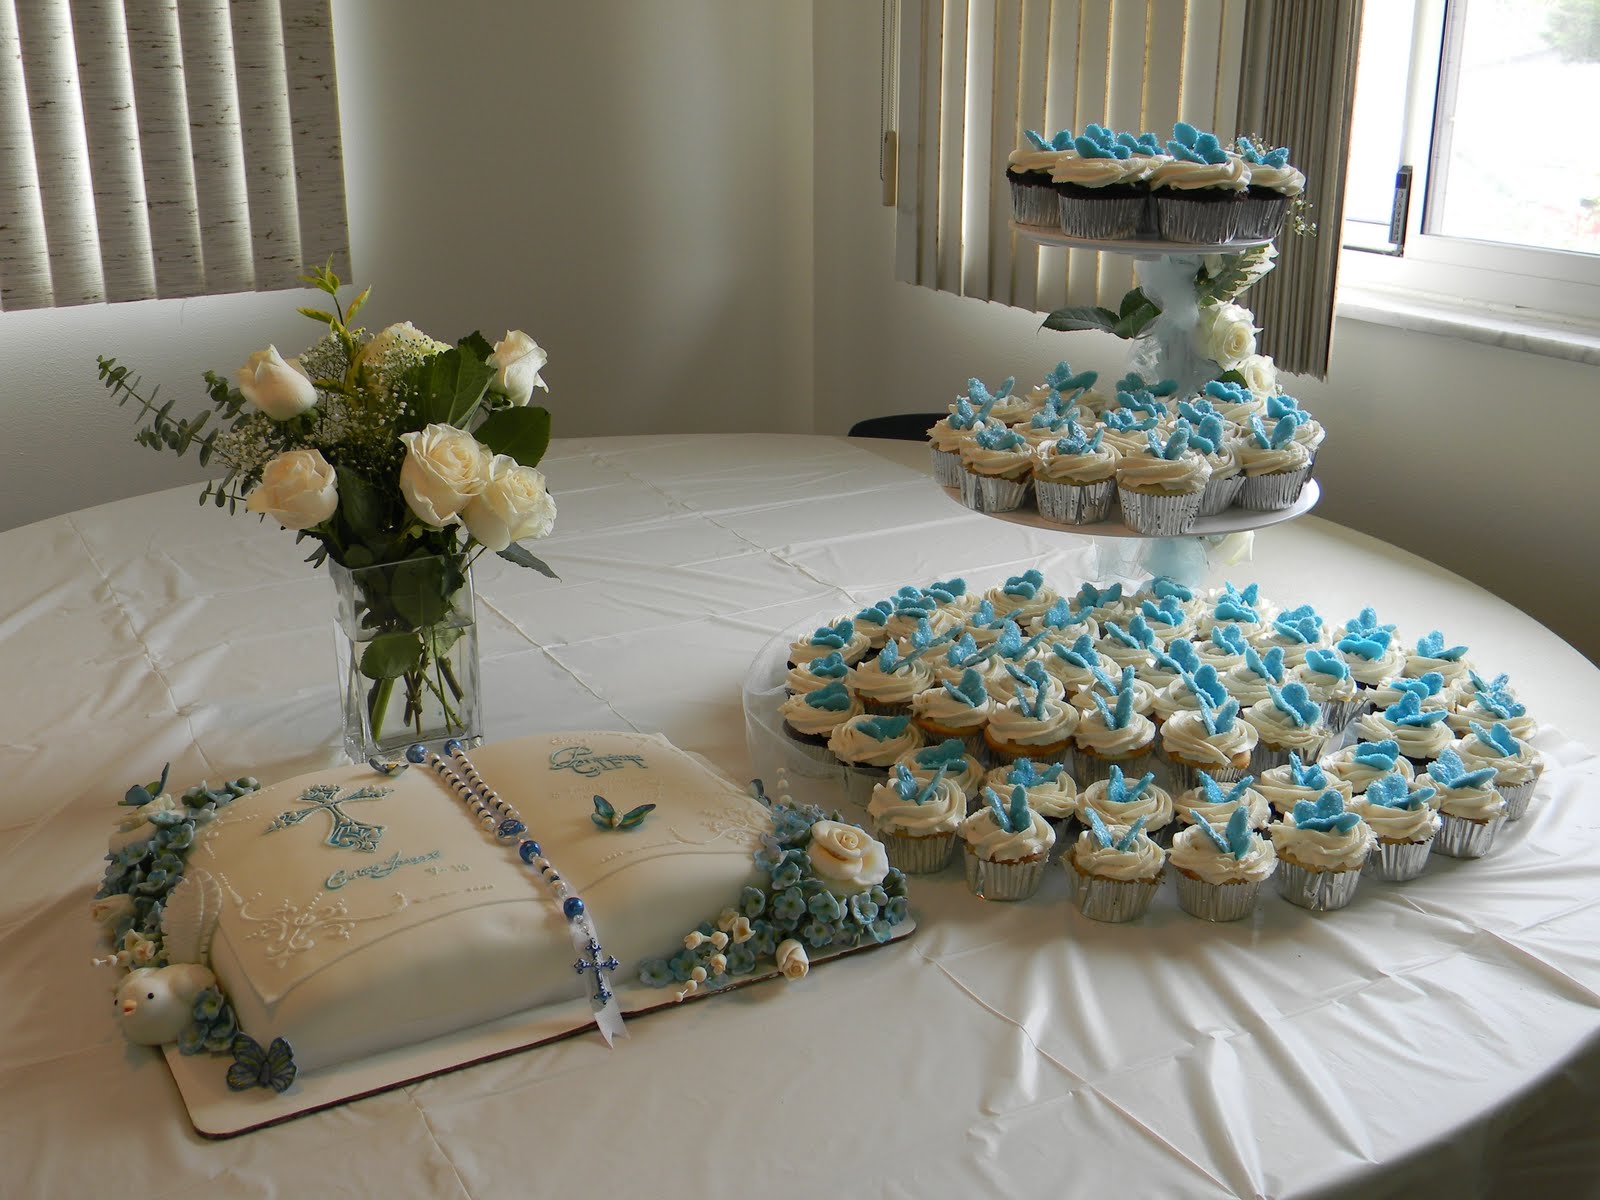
1260, 374
108, 910
444, 469
298, 489
517, 361
1226, 334
277, 386
792, 960
846, 859
513, 505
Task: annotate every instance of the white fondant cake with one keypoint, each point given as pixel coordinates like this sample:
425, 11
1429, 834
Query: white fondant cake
425, 923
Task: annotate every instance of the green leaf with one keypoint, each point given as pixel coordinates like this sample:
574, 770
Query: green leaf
361, 507
355, 305
420, 589
1233, 377
1134, 322
391, 655
477, 344
522, 433
1135, 299
448, 387
516, 554
316, 314
1085, 316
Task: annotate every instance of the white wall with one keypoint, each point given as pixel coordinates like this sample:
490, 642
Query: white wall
1477, 458
630, 183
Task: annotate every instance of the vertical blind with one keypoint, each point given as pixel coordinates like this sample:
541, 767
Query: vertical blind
976, 73
161, 148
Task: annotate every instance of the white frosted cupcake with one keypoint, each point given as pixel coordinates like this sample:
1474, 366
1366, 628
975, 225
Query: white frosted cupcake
955, 710
1032, 724
1489, 703
1051, 792
1113, 735
952, 661
1075, 665
1372, 658
1286, 721
1420, 732
1061, 624
816, 674
944, 441
1322, 850
1007, 846
949, 756
1328, 682
1295, 631
1220, 867
1121, 800
1108, 684
1101, 189
916, 820
996, 469
1022, 598
868, 746
1363, 763
1432, 654
1130, 643
1429, 690
1271, 184
1033, 192
1116, 870
1286, 786
1403, 825
1160, 487
1222, 647
887, 684
1074, 477
1275, 466
810, 718
1517, 766
1178, 659
1169, 620
1471, 810
1250, 682
1210, 740
1183, 693
1208, 799
841, 638
1210, 438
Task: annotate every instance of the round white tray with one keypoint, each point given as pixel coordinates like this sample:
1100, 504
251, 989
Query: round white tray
1234, 520
1046, 236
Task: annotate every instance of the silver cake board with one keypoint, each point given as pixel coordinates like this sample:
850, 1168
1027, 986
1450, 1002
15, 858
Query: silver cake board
218, 1112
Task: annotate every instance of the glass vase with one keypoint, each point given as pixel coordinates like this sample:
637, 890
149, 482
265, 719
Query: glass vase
406, 641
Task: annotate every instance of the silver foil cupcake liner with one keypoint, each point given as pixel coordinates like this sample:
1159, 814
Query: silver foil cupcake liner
1516, 797
1260, 218
1034, 204
918, 855
1089, 768
1159, 516
993, 493
1185, 777
1396, 862
1459, 837
859, 782
946, 467
1200, 222
1274, 492
1320, 891
1216, 901
1112, 900
1003, 880
1220, 494
1264, 757
1099, 220
1338, 714
1075, 504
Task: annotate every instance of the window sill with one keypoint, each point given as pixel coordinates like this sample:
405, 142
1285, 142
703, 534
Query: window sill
1511, 329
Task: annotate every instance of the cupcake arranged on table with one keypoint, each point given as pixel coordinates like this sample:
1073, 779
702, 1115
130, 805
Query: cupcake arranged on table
1287, 721
1160, 489
1471, 809
917, 618
816, 674
1220, 870
1429, 690
1062, 623
1298, 780
1107, 684
1207, 740
1372, 659
1517, 766
1275, 466
1234, 402
1033, 723
872, 623
1125, 429
1270, 186
997, 469
1102, 189
916, 820
1237, 607
952, 596
868, 746
1294, 631
887, 684
945, 437
949, 756
1168, 619
1033, 192
1250, 682
1117, 870
953, 661
1403, 824
1014, 653
1022, 598
1074, 477
841, 638
1432, 655
1208, 799
1226, 481
1328, 681
1007, 846
1103, 604
1006, 406
1489, 702
1051, 792
810, 718
1362, 764
1420, 732
1322, 850
1122, 800
1049, 423
1075, 665
1132, 645
1113, 735
1223, 647
955, 710
1308, 431
1178, 659
1184, 693
1200, 191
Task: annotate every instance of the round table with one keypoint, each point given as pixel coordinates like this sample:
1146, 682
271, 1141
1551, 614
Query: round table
1439, 1034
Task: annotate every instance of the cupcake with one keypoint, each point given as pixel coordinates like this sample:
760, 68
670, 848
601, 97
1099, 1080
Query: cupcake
1219, 871
950, 755
1049, 423
1061, 623
997, 470
1033, 192
1208, 799
1075, 665
872, 623
1117, 870
1403, 824
1321, 852
1275, 466
1178, 659
1207, 739
1227, 477
1489, 703
1103, 604
1294, 631
1286, 721
840, 638
1432, 655
1364, 763
1372, 659
1250, 681
1036, 722
1121, 802
1517, 766
1168, 619
1074, 477
1113, 735
951, 662
1271, 183
816, 674
868, 746
1420, 732
918, 619
916, 820
1184, 693
1199, 192
811, 717
1298, 780
1223, 647
1160, 489
985, 625
1126, 430
1429, 690
944, 441
1328, 682
1471, 810
1007, 846
1134, 645
1051, 792
1022, 598
1101, 191
1366, 623
1308, 431
955, 710
1005, 407
1236, 607
886, 685
1014, 654
1234, 402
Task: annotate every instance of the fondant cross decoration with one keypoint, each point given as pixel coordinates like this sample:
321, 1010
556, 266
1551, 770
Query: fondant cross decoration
347, 833
597, 964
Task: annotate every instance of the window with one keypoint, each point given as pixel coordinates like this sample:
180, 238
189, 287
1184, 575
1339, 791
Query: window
1481, 106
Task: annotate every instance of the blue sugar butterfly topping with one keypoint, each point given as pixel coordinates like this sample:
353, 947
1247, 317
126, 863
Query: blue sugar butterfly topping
923, 636
1027, 773
1378, 755
952, 751
1120, 791
1229, 638
1408, 710
1169, 612
1499, 683
1134, 382
1206, 682
1498, 738
999, 437
1077, 442
983, 617
836, 636
1218, 718
1370, 647
1175, 447
1197, 410
1048, 417
876, 614
1128, 420
1366, 623
1212, 428
829, 666
1012, 818
1393, 791
1268, 666
965, 416
1449, 771
1235, 608
1500, 704
1180, 657
1061, 379
1215, 795
1143, 145
1201, 441
833, 698
1061, 140
1229, 393
1102, 833
1140, 401
883, 729
964, 652
1059, 615
889, 658
1282, 406
1089, 148
1326, 662
1302, 631
1431, 645
905, 783
1429, 684
981, 395
970, 691
1164, 588
1118, 717
1294, 702
1080, 654
1326, 814
1026, 585
1009, 643
947, 591
1271, 158
1033, 683
1185, 134
1304, 775
1249, 594
1236, 839
1282, 433
1089, 596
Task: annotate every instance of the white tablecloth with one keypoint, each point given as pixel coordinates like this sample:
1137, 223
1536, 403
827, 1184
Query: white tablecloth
1441, 1033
